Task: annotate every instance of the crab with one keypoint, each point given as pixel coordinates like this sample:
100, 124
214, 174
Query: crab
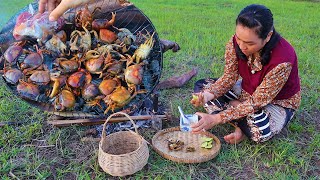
124, 3
95, 62
12, 76
33, 61
107, 36
84, 16
107, 86
62, 35
144, 49
56, 45
68, 66
81, 40
79, 79
113, 67
113, 49
73, 43
98, 24
133, 75
40, 77
58, 81
175, 145
126, 36
90, 91
12, 53
118, 98
65, 100
28, 90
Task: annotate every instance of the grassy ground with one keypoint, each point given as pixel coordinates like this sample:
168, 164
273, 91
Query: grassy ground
35, 150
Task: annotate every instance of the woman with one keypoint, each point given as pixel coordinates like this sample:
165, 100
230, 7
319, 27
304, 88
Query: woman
260, 88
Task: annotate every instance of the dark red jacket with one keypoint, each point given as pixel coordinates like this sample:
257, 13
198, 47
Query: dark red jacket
282, 52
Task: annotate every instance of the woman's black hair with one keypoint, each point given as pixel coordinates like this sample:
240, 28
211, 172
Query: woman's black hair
260, 18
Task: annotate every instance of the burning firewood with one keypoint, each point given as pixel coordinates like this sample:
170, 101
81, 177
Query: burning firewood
177, 81
166, 45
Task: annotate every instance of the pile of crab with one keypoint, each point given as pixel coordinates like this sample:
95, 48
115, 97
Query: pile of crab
93, 67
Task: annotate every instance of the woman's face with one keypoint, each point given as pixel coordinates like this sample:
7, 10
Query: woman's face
248, 41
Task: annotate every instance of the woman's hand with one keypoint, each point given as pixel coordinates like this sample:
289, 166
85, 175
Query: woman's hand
199, 99
58, 7
207, 121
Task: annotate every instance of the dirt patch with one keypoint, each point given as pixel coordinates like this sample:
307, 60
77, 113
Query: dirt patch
316, 118
315, 166
64, 151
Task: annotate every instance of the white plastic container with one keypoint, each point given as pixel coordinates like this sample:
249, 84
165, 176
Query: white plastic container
185, 123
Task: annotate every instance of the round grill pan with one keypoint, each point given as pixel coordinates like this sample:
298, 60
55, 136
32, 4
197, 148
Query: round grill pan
127, 16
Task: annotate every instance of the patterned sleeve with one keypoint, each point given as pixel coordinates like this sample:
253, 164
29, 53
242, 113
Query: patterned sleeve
230, 75
263, 95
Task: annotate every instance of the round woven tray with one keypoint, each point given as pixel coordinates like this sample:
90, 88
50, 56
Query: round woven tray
160, 145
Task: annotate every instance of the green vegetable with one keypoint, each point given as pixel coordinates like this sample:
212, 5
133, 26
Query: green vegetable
209, 146
206, 142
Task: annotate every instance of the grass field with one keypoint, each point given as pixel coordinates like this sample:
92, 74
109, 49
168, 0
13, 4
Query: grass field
34, 150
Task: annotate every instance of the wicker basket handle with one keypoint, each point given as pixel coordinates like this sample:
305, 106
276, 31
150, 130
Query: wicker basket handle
114, 114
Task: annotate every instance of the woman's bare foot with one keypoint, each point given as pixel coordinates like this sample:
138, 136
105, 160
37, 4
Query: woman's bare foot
235, 137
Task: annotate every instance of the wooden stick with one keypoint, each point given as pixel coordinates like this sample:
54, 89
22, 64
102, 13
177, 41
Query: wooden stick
95, 121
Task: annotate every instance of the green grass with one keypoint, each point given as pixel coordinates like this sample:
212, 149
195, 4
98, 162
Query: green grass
34, 150
9, 8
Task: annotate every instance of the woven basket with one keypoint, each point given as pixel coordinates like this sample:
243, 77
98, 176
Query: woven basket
160, 145
122, 153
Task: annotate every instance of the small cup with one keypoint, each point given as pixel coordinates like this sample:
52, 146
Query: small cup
192, 118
